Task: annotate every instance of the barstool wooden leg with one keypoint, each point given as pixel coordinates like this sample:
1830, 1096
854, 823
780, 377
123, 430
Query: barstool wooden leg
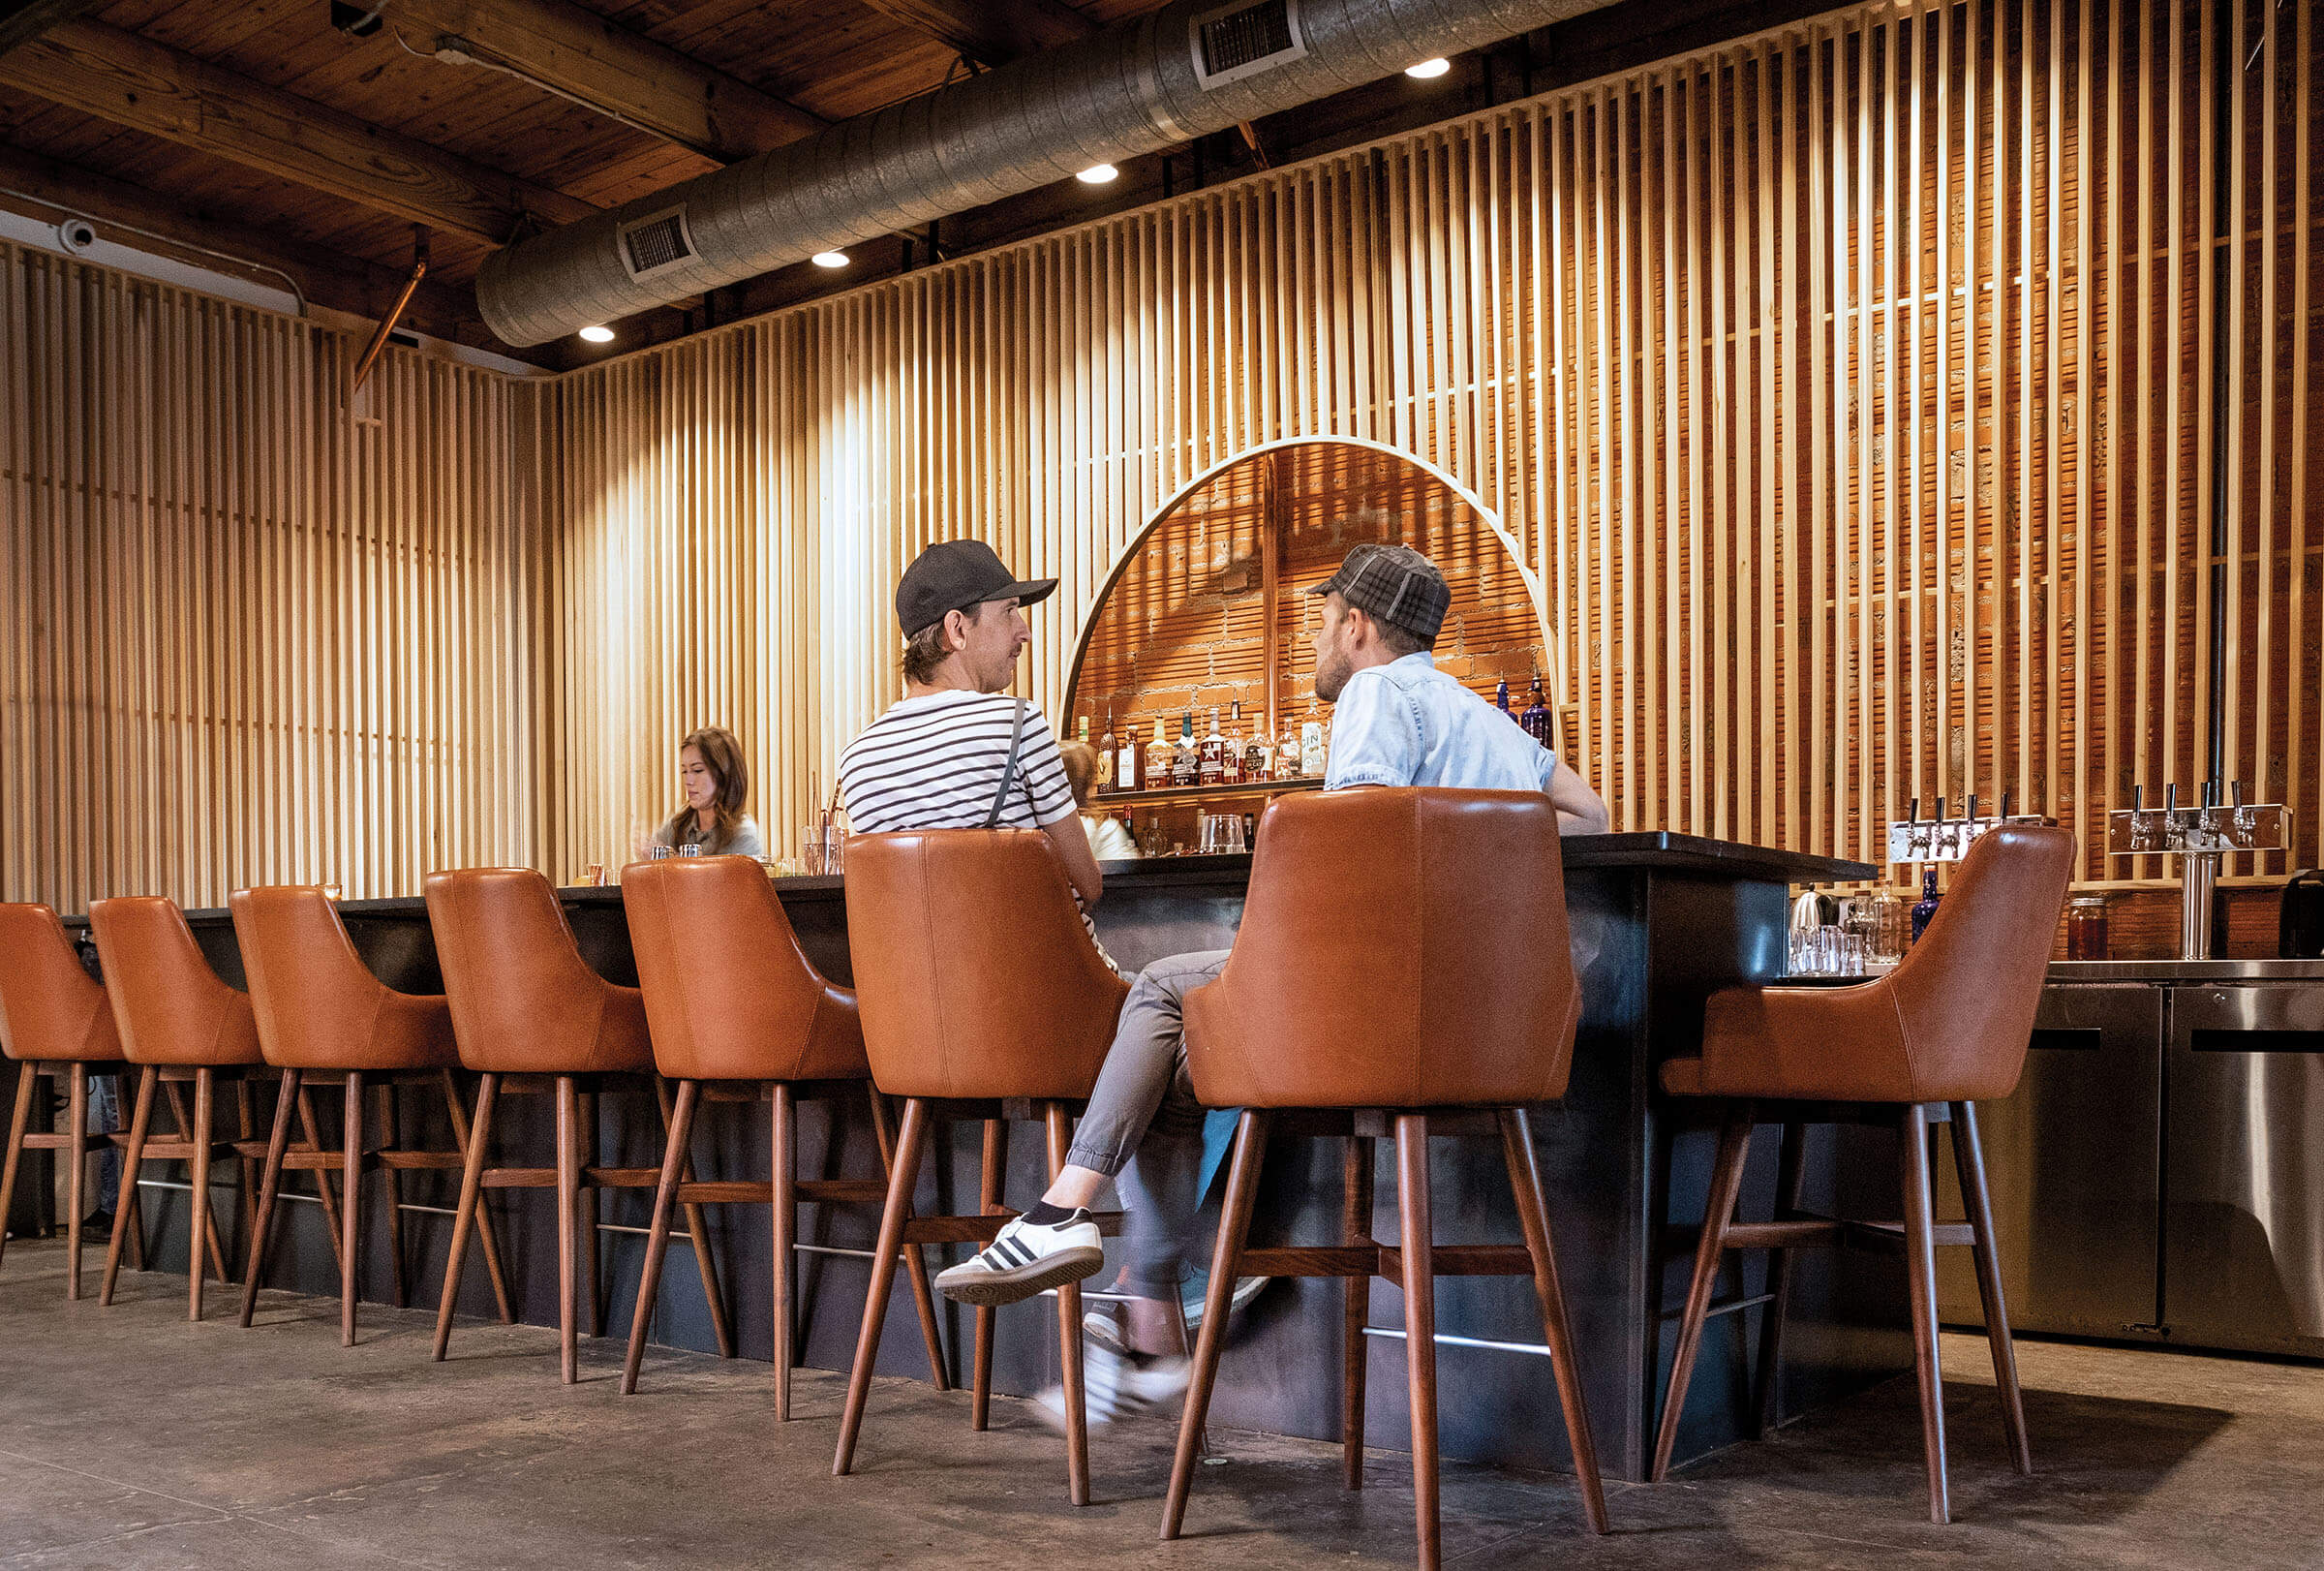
911, 1142
1225, 1257
1533, 1216
174, 1091
77, 1103
568, 1191
352, 1213
658, 1234
1968, 1159
464, 1214
140, 1118
1920, 1286
785, 1197
991, 1174
391, 1139
593, 1297
1069, 1330
1355, 1354
324, 1192
697, 1230
19, 1118
270, 1178
494, 1266
1718, 1211
205, 1242
1420, 1324
1766, 1397
915, 1260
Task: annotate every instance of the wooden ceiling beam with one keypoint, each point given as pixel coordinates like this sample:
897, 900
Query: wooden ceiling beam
575, 51
119, 76
990, 32
48, 190
23, 20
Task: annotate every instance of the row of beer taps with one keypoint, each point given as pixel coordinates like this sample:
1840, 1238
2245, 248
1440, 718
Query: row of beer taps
1941, 839
2211, 825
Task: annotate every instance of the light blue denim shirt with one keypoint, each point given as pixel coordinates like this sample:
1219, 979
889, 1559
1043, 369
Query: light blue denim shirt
1409, 724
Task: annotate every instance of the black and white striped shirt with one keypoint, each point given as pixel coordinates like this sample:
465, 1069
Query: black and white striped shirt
934, 761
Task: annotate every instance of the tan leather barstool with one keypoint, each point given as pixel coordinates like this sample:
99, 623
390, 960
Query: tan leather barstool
739, 1011
1403, 963
530, 1015
323, 1015
1945, 1029
54, 1023
982, 996
178, 1022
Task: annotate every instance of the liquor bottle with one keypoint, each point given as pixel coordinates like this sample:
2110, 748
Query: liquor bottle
1150, 843
1080, 731
1501, 701
1125, 763
1535, 718
1156, 773
1257, 756
1105, 758
1926, 910
1289, 757
1250, 831
1210, 760
1313, 755
1229, 766
1185, 759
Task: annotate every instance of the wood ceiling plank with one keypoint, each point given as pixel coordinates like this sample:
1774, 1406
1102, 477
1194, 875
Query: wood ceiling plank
992, 32
23, 20
122, 78
198, 234
618, 72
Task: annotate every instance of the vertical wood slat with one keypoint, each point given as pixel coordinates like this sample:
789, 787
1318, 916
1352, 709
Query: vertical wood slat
1851, 383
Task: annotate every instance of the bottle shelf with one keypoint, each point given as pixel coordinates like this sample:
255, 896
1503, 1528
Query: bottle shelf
1106, 801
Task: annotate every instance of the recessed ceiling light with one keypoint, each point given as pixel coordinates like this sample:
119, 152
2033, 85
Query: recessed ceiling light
831, 259
598, 336
1097, 174
1427, 69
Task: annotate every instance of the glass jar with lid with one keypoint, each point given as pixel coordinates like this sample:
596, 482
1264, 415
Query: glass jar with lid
2086, 928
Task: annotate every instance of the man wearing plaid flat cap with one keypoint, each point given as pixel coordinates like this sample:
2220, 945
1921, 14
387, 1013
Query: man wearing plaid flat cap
1396, 721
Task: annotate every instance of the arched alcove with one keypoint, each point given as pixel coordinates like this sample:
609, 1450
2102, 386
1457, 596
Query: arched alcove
1207, 606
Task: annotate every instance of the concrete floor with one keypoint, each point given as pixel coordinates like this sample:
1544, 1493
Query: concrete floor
128, 1439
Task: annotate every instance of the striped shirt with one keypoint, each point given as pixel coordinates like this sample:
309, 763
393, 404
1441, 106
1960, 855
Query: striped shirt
934, 763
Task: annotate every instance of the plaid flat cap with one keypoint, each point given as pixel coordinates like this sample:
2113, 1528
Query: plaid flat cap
1394, 583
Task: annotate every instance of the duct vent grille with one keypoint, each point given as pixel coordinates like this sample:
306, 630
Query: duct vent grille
657, 242
1240, 40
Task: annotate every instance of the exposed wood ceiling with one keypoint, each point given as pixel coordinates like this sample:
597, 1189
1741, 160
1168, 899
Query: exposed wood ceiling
262, 131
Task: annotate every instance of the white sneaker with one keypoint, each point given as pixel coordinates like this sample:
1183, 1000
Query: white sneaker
1025, 1259
1103, 1326
1116, 1387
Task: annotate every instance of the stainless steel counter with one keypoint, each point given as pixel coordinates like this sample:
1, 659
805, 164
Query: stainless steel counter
2187, 971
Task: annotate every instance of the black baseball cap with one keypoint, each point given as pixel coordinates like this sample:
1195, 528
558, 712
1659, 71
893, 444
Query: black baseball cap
952, 576
1396, 584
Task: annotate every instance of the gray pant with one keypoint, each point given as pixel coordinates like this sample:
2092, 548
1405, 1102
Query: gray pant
1144, 1128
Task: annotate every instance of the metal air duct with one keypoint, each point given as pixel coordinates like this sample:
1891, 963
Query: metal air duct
1136, 87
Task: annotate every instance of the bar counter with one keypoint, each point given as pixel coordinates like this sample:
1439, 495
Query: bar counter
1660, 920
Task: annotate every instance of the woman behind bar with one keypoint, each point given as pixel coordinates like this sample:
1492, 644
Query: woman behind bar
1109, 841
714, 780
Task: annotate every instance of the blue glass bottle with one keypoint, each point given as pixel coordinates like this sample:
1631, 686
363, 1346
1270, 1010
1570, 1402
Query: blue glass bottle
1535, 718
1501, 701
1926, 909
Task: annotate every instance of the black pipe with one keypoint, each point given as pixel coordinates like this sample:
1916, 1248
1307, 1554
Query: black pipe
2222, 389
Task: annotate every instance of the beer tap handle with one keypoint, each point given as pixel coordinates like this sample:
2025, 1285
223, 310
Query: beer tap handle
2138, 799
2237, 788
2004, 806
2170, 797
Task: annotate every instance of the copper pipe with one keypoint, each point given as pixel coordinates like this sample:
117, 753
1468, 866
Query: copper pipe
395, 313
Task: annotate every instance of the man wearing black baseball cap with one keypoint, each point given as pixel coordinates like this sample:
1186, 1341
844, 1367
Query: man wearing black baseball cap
1396, 721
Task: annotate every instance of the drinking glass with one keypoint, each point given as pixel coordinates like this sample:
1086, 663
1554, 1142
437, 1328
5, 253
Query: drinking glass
690, 848
656, 853
810, 850
593, 875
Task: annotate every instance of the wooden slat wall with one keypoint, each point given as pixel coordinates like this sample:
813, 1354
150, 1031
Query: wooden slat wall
247, 636
1852, 390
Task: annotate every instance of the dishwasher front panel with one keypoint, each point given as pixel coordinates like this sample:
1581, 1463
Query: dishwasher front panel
2243, 1259
2072, 1160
